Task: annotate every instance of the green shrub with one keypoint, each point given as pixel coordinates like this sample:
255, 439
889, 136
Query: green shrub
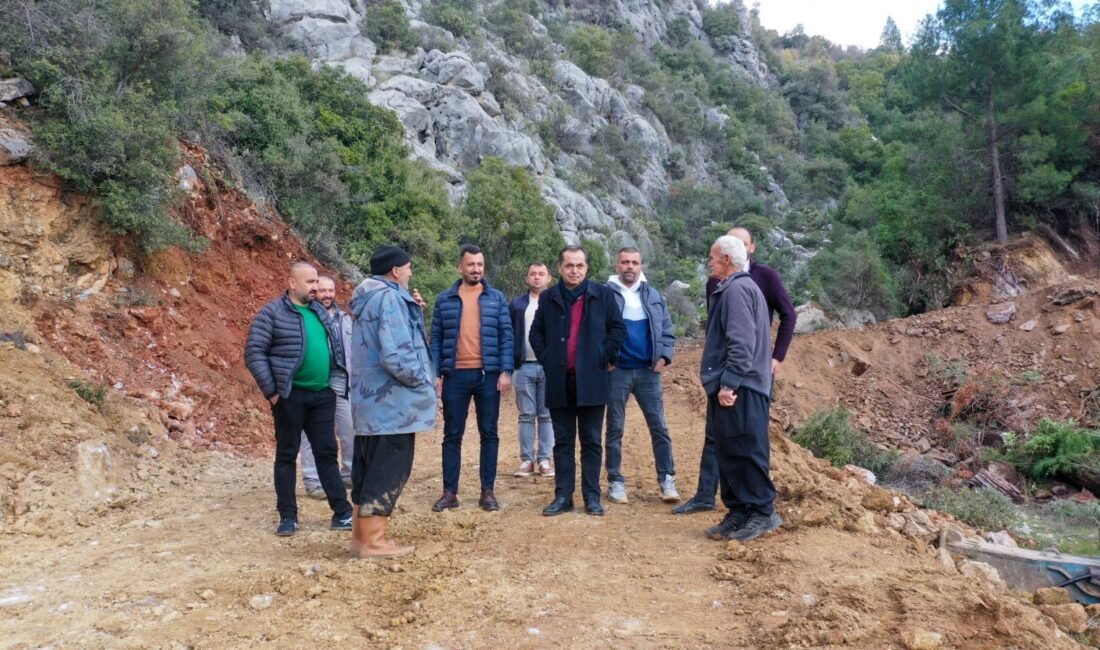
981, 507
511, 223
852, 273
94, 394
590, 47
1054, 449
385, 24
456, 16
722, 20
831, 436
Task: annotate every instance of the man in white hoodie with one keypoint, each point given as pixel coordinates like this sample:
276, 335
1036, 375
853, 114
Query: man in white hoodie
644, 355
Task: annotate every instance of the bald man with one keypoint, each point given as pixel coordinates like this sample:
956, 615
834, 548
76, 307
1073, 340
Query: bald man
293, 347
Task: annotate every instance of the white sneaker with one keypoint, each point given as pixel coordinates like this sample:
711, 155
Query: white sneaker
668, 490
526, 468
616, 492
546, 468
316, 492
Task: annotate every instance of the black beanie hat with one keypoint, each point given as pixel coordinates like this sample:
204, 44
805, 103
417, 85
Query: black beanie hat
387, 257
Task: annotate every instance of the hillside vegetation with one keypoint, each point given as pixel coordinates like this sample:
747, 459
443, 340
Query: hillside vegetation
888, 164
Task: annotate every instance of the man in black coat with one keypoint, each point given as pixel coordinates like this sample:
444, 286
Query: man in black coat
293, 349
577, 332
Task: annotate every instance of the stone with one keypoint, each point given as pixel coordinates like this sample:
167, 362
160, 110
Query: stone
1058, 330
1073, 294
811, 318
261, 601
1051, 596
865, 523
1084, 496
1029, 325
918, 639
878, 500
1070, 618
15, 146
865, 475
15, 88
1001, 538
187, 178
1001, 313
945, 559
981, 571
95, 471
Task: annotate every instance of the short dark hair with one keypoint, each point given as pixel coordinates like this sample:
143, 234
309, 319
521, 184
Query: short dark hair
628, 249
542, 264
327, 277
572, 248
468, 249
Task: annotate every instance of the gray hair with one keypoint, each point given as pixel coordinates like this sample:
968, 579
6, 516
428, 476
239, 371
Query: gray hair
734, 248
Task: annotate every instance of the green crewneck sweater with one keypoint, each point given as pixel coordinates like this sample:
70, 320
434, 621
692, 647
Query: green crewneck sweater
313, 373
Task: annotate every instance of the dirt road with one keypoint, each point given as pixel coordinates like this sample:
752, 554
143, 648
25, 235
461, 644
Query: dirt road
197, 565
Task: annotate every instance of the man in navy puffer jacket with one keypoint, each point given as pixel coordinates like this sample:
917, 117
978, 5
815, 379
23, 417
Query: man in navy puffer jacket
472, 349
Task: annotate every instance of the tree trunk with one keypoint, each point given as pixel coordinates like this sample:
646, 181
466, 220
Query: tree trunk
998, 178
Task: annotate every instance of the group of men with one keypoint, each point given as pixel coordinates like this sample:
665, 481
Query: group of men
574, 352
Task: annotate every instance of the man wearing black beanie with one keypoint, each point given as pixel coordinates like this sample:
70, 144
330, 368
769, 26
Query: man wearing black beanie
392, 396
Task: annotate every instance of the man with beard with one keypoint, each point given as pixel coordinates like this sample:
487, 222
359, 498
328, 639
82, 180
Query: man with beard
338, 381
291, 349
472, 350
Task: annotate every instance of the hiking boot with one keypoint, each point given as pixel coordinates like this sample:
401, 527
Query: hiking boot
668, 490
691, 506
526, 468
449, 501
488, 501
756, 526
733, 520
546, 468
287, 527
616, 492
316, 492
341, 522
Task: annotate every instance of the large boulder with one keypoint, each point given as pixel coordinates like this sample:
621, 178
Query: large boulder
15, 146
455, 69
15, 88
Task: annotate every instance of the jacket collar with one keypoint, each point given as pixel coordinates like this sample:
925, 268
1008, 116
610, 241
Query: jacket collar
483, 282
730, 279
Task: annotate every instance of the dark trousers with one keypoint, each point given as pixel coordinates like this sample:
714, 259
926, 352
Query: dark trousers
708, 470
313, 413
569, 422
380, 468
458, 388
743, 451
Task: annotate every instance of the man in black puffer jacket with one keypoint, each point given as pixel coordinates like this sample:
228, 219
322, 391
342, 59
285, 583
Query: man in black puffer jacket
292, 349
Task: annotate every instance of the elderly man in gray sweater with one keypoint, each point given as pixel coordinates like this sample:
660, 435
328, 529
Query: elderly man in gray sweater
736, 373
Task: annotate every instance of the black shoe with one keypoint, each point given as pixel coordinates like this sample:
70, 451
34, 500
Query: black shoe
287, 527
559, 506
690, 506
488, 501
593, 508
341, 522
449, 501
733, 520
756, 526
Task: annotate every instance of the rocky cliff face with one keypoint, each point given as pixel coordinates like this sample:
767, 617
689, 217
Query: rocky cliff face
444, 95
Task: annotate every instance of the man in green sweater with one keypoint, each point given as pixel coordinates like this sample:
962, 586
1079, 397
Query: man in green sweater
291, 348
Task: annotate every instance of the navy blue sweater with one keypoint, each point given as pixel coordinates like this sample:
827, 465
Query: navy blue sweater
775, 295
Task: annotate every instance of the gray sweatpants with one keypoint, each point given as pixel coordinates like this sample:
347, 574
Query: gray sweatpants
345, 436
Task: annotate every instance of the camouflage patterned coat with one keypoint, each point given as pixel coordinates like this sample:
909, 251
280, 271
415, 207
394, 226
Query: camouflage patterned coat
392, 376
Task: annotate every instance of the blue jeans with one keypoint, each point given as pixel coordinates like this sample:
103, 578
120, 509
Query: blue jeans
458, 388
645, 385
530, 383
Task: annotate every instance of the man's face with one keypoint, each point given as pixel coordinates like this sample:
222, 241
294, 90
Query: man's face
538, 277
719, 264
572, 268
745, 237
402, 274
629, 267
326, 292
303, 283
472, 267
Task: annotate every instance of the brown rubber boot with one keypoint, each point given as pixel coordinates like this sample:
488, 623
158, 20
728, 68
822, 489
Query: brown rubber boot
375, 544
356, 545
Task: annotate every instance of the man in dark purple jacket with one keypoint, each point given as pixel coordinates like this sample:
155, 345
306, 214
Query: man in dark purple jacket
775, 294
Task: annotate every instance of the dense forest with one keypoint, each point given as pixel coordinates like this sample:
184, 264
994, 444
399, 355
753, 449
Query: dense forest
894, 162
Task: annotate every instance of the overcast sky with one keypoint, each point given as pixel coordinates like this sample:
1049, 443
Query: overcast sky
849, 22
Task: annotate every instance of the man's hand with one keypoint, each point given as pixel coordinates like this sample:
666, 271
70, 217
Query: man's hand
503, 382
274, 399
775, 367
726, 397
660, 365
420, 301
439, 387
